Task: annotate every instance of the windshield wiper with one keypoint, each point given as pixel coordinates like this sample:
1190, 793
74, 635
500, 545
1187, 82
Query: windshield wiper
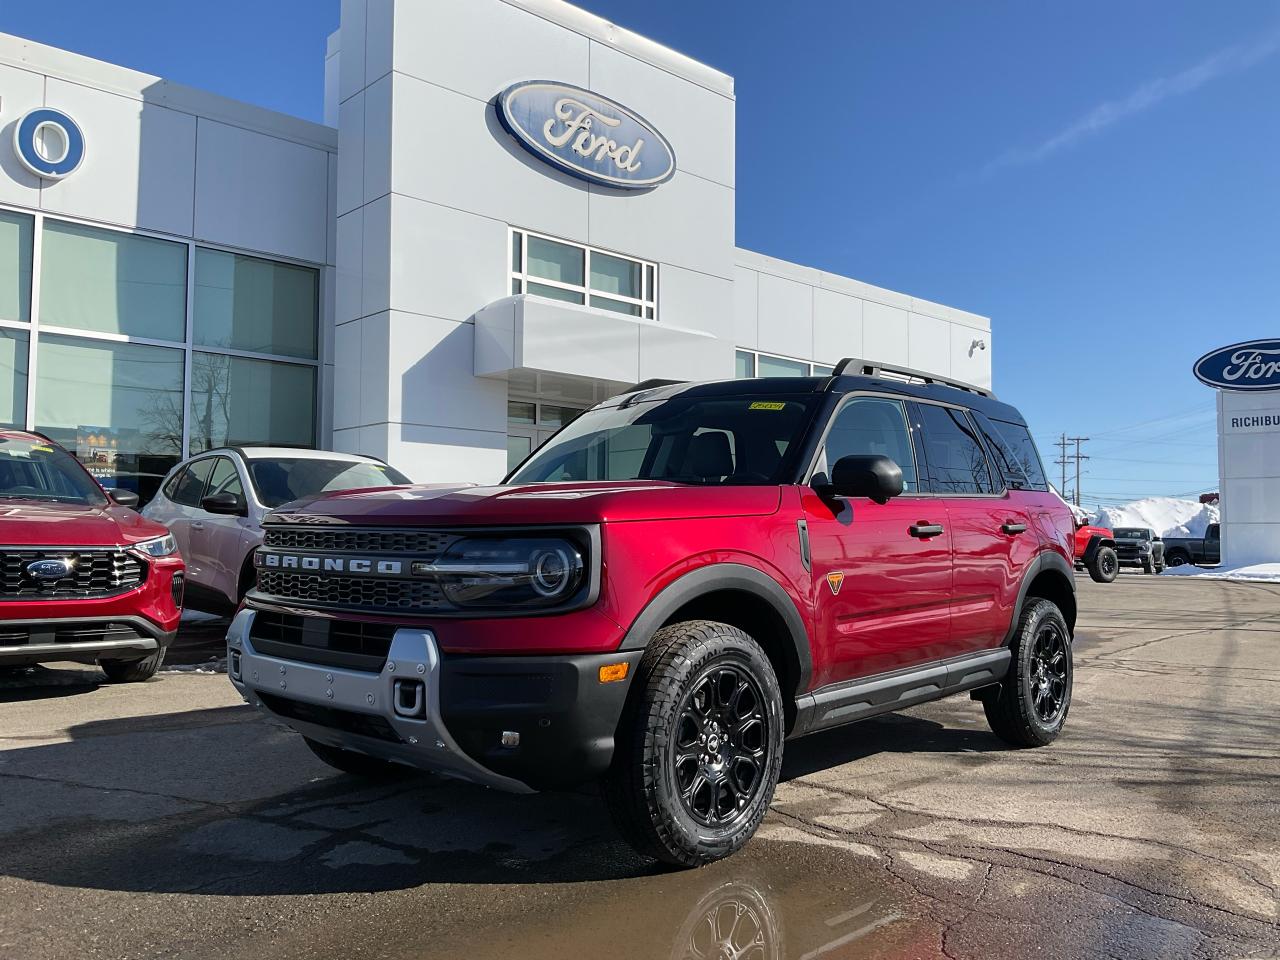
43, 497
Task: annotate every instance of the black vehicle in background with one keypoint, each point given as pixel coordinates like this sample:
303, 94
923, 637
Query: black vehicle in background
1202, 551
1139, 547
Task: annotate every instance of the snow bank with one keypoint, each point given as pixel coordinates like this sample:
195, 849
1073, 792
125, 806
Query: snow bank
1265, 572
1167, 516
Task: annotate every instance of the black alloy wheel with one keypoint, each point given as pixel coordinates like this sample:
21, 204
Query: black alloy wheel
721, 748
1029, 707
1108, 564
1049, 672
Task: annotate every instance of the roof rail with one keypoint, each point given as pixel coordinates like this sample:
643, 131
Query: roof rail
852, 366
651, 383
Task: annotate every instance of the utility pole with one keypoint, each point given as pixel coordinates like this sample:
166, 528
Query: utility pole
1078, 456
1062, 459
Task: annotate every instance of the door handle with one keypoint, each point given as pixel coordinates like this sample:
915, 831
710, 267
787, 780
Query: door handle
1013, 529
925, 530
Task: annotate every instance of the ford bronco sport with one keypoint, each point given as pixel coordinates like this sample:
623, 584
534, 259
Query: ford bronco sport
82, 576
674, 584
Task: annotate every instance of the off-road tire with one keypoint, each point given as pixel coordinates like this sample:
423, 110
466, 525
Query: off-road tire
1149, 566
133, 671
1105, 565
357, 764
1177, 558
641, 789
1010, 708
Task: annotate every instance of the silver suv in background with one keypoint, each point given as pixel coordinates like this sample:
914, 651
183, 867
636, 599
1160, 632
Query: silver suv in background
214, 503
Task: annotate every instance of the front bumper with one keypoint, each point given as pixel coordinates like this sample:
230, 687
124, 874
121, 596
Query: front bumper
25, 642
565, 718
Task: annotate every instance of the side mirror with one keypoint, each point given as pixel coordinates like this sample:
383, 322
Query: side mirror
875, 477
125, 498
230, 504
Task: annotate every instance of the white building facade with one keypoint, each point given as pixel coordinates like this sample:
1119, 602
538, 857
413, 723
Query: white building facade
434, 282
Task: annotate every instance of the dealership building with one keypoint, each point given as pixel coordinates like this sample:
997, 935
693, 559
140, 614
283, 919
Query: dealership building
513, 210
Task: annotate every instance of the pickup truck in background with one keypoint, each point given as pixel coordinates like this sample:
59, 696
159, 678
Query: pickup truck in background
1201, 551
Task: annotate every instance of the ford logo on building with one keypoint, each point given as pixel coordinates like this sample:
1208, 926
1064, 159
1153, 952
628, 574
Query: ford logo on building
1254, 365
586, 135
50, 569
48, 143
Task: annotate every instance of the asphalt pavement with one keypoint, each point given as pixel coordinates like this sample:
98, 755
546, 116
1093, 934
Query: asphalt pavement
168, 819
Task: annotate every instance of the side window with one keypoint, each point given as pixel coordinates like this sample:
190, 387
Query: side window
1017, 439
225, 479
871, 425
1008, 470
953, 455
171, 488
191, 487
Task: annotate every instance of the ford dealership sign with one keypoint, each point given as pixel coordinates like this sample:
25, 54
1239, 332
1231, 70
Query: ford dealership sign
1242, 366
48, 143
586, 135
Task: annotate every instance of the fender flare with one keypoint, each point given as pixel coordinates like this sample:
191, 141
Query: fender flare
1095, 542
1045, 560
712, 579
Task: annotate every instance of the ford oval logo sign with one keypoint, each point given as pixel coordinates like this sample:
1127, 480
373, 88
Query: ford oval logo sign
586, 135
1254, 365
48, 143
50, 569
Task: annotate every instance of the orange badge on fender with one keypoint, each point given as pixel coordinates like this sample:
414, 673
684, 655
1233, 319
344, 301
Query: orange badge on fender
834, 581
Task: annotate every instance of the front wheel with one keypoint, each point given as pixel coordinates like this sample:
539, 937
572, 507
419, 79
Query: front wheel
133, 671
1029, 708
700, 746
1149, 566
1105, 565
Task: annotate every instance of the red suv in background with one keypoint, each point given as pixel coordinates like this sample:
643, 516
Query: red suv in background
82, 576
675, 583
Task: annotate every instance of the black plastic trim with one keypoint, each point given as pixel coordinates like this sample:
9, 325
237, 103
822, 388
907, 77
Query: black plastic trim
1095, 542
713, 578
1045, 560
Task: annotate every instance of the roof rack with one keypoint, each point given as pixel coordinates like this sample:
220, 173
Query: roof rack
852, 366
651, 383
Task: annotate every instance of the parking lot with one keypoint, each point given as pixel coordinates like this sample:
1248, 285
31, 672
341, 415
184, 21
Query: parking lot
169, 819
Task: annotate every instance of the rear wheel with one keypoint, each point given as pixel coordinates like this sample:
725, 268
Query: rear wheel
700, 747
357, 764
132, 671
1178, 558
1030, 707
1105, 565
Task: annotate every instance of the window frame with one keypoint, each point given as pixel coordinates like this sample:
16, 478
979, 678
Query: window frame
820, 449
926, 478
33, 327
647, 302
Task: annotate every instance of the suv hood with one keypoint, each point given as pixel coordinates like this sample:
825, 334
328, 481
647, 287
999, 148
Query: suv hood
606, 502
38, 523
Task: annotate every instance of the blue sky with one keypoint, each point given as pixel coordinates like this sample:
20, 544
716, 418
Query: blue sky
1101, 179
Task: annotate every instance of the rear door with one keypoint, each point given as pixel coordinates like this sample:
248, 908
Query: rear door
219, 541
185, 510
993, 536
881, 572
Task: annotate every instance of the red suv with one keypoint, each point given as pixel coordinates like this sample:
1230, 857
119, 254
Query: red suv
82, 576
677, 582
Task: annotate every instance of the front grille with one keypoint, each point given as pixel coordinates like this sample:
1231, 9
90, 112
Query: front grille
1127, 551
353, 645
18, 635
421, 544
97, 573
363, 724
358, 593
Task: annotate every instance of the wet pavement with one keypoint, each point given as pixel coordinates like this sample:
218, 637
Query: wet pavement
170, 820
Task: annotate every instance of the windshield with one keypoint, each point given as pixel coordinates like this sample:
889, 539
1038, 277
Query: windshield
702, 440
281, 480
1132, 533
35, 470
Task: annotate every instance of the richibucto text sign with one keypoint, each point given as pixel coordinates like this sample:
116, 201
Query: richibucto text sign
1254, 365
586, 135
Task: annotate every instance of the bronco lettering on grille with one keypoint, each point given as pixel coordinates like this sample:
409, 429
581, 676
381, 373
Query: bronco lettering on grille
311, 564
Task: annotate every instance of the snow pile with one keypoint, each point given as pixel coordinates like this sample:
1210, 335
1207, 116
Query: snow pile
1264, 572
1167, 516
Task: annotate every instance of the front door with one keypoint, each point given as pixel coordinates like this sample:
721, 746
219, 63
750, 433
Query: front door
881, 572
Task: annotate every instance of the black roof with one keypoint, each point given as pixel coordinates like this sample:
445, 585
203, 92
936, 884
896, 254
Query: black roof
971, 397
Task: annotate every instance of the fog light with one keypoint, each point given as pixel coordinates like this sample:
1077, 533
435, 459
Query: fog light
510, 738
613, 672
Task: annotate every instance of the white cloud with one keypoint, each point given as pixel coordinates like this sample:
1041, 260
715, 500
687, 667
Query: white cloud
1229, 60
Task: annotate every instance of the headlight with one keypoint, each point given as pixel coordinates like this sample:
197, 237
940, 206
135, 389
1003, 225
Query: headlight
509, 572
159, 547
1144, 548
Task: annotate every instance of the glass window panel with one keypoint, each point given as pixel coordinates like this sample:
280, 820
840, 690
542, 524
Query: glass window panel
555, 293
235, 400
515, 287
112, 282
551, 415
225, 479
16, 231
555, 261
872, 427
190, 489
953, 455
610, 274
247, 303
617, 306
820, 370
13, 378
778, 367
517, 449
117, 406
650, 291
518, 411
648, 313
516, 257
746, 364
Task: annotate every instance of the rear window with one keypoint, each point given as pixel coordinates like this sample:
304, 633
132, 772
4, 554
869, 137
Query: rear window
954, 457
1017, 439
